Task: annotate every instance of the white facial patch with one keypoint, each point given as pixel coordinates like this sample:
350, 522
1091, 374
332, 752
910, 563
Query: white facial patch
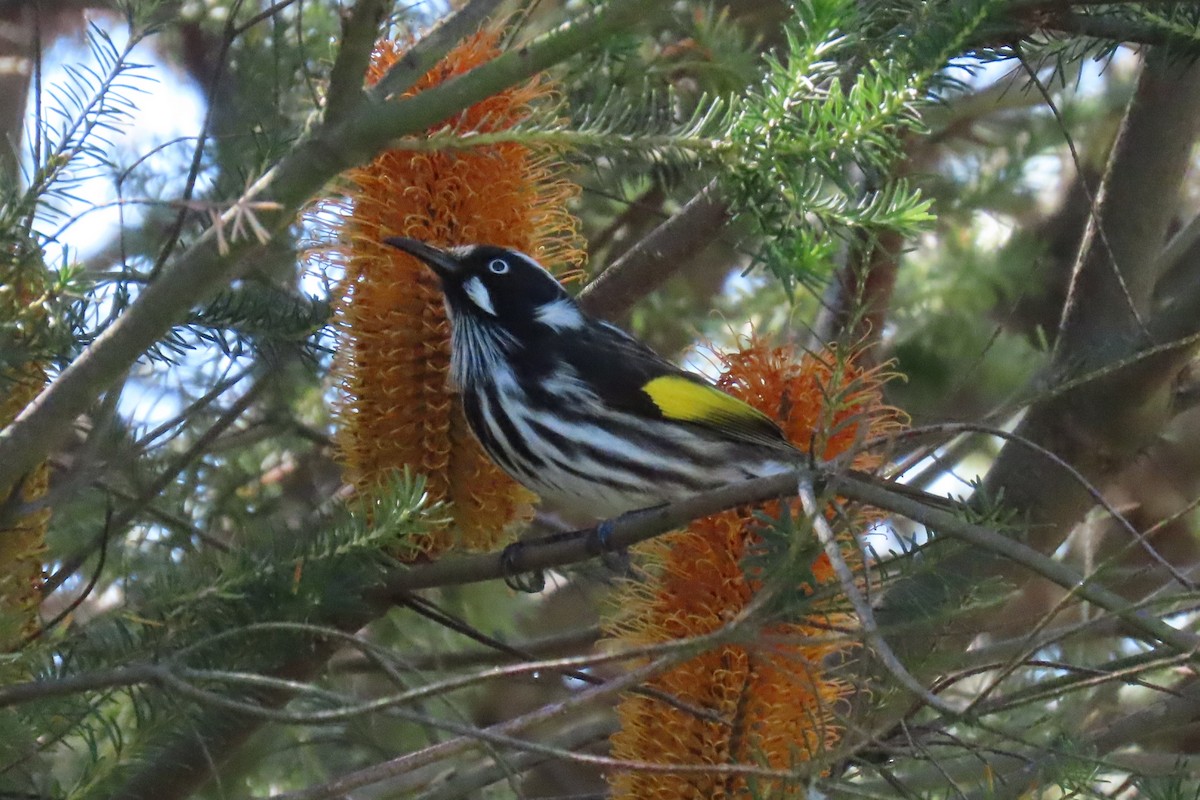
560, 314
478, 294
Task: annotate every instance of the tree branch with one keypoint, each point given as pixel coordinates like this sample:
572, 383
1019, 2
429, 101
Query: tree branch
190, 752
629, 529
654, 259
1114, 276
433, 48
468, 782
470, 738
862, 606
186, 756
359, 28
1099, 425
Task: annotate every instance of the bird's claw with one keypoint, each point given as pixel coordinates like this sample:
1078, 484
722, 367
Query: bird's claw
527, 581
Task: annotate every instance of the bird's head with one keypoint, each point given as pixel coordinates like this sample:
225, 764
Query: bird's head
497, 286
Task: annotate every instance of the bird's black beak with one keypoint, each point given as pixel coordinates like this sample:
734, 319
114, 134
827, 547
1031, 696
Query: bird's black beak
439, 260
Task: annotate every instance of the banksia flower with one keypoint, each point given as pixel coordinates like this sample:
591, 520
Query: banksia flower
393, 359
22, 540
775, 701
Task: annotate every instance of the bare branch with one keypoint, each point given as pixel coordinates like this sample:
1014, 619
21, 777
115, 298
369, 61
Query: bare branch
1114, 276
1178, 708
1097, 427
432, 48
649, 263
360, 26
1013, 551
625, 531
468, 782
500, 733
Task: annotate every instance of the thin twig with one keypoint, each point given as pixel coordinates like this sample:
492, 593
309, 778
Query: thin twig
468, 782
1125, 670
501, 735
173, 673
194, 169
265, 14
1095, 224
410, 762
566, 643
1141, 537
164, 479
866, 617
1107, 734
133, 675
191, 409
978, 536
77, 601
432, 612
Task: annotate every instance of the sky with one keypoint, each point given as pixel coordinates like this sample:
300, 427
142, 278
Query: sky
166, 116
145, 153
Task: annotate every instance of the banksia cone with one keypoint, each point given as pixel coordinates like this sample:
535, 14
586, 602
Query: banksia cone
22, 540
775, 701
396, 408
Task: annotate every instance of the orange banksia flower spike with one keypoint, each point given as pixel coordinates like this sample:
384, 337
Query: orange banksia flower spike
22, 540
393, 357
775, 701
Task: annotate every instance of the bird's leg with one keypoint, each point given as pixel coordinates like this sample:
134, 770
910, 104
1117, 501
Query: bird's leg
599, 543
615, 558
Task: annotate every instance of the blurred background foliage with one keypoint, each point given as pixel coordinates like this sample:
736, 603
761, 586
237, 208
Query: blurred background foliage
933, 215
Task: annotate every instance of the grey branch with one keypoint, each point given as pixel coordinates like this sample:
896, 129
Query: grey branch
657, 257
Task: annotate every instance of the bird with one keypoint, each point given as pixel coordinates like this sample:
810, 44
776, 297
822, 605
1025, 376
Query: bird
574, 408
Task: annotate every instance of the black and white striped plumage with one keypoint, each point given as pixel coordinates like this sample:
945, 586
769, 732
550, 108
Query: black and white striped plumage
576, 409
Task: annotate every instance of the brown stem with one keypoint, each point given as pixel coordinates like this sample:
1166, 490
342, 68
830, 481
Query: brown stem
649, 263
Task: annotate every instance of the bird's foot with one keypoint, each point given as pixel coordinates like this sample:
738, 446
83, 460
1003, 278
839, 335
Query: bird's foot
615, 558
517, 579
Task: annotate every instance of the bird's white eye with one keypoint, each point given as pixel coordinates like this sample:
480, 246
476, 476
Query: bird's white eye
498, 266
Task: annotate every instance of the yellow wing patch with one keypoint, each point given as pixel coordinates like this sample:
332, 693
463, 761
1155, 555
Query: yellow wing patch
691, 401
